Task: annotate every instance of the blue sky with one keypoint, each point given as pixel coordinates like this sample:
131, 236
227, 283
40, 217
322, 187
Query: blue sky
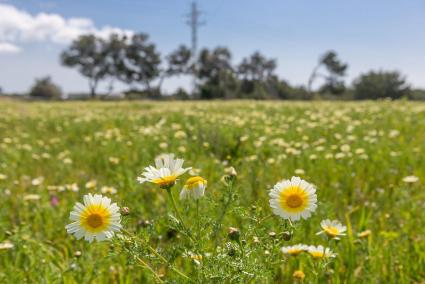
367, 35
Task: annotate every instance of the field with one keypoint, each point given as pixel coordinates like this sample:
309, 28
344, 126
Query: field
366, 160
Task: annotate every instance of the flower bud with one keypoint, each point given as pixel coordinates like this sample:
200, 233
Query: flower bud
125, 211
287, 235
233, 233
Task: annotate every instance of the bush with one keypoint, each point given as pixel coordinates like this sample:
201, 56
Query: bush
46, 89
375, 85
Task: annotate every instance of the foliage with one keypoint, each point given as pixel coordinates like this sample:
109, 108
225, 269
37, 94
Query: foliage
88, 54
376, 85
46, 89
335, 69
357, 154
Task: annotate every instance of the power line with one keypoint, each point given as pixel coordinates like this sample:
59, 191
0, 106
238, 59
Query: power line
194, 23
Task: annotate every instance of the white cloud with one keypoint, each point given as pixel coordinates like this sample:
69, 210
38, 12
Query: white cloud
18, 26
6, 47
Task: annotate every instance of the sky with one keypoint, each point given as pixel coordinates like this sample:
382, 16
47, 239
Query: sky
367, 34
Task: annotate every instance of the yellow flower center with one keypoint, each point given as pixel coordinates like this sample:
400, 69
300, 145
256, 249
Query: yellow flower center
317, 254
165, 181
293, 199
95, 218
294, 251
332, 231
194, 181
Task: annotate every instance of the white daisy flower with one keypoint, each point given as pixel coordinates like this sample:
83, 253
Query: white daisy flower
410, 179
293, 199
166, 171
194, 188
334, 229
294, 250
318, 252
96, 218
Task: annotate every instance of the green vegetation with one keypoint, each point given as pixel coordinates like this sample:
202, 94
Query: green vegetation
357, 154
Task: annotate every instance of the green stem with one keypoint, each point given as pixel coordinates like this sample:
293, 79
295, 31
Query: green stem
144, 264
198, 221
170, 194
154, 251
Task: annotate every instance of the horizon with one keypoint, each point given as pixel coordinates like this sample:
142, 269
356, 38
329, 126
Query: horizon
367, 36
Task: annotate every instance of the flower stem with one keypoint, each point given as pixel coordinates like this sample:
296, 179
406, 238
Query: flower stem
170, 194
155, 252
144, 264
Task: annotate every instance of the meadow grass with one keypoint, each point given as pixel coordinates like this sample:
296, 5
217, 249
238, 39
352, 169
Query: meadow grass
356, 153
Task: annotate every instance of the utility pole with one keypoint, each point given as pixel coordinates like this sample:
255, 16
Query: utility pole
194, 23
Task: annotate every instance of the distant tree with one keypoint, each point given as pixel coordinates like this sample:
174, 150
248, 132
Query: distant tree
335, 71
178, 63
215, 72
381, 84
115, 56
88, 54
142, 62
46, 89
256, 67
257, 78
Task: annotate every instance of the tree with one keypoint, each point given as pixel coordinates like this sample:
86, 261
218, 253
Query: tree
257, 78
178, 63
115, 56
45, 88
215, 73
257, 67
381, 84
88, 54
335, 69
142, 62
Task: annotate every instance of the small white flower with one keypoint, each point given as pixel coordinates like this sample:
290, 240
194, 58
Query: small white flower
318, 252
293, 199
333, 229
410, 179
294, 250
96, 219
166, 171
6, 245
194, 188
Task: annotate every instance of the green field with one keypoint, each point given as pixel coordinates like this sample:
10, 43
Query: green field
357, 154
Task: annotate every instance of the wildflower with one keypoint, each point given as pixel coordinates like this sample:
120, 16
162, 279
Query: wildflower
364, 234
165, 173
3, 177
194, 188
230, 171
410, 179
6, 245
294, 250
31, 197
91, 184
318, 252
73, 187
298, 274
299, 172
108, 190
54, 201
96, 219
334, 229
114, 160
37, 181
125, 211
293, 199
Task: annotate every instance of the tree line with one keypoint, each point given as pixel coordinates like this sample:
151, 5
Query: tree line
137, 62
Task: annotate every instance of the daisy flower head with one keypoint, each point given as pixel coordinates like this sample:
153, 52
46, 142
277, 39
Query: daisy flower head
194, 188
165, 172
293, 199
96, 219
294, 250
319, 252
334, 229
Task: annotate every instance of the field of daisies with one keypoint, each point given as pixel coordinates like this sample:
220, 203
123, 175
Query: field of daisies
212, 192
